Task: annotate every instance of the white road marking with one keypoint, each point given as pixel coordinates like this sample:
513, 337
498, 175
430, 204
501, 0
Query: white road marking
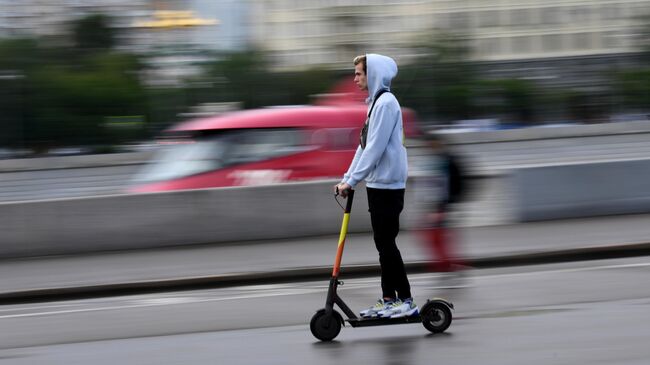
17, 308
163, 302
557, 271
275, 290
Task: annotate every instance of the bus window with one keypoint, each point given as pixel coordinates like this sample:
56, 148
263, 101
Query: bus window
220, 150
336, 139
251, 145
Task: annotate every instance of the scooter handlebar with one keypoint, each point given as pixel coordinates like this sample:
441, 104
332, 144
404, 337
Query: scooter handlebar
339, 192
349, 196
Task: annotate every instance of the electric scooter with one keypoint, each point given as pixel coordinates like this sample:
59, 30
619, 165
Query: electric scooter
326, 324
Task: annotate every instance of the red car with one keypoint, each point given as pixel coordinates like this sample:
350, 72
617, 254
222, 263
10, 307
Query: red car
262, 146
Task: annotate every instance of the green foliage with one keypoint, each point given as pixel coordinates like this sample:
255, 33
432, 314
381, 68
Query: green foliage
441, 80
90, 94
510, 99
18, 57
634, 87
72, 104
19, 54
62, 96
164, 105
245, 77
93, 33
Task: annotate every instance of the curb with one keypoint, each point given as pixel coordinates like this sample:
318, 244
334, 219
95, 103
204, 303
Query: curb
312, 273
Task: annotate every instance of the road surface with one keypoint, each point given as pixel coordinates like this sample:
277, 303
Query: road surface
572, 313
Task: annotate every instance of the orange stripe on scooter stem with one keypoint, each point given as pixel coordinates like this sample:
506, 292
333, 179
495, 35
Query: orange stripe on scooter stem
339, 250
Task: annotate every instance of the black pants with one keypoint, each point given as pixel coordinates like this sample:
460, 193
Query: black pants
385, 206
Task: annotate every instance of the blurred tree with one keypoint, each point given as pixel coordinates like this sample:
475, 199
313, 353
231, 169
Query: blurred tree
11, 109
634, 88
303, 85
441, 81
243, 76
633, 85
586, 107
54, 96
246, 77
164, 107
20, 54
93, 32
72, 105
510, 99
19, 57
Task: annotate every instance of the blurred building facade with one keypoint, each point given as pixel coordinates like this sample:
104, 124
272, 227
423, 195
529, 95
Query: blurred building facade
51, 18
176, 33
225, 27
506, 35
305, 33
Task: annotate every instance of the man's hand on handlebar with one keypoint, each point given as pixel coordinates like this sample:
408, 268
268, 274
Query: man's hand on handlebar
342, 189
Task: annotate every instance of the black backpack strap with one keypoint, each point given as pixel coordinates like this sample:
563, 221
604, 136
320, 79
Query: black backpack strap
379, 93
364, 131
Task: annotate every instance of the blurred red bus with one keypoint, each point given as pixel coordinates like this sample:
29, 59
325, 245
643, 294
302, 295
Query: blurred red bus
260, 146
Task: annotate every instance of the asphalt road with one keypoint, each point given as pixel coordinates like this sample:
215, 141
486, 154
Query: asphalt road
573, 313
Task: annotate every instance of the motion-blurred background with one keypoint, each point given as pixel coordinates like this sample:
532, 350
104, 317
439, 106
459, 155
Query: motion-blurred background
92, 76
546, 104
89, 87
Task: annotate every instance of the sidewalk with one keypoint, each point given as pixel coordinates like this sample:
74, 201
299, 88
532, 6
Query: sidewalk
189, 267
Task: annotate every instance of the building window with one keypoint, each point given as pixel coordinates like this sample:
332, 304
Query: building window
459, 20
610, 40
441, 21
582, 41
579, 14
610, 12
551, 15
490, 47
520, 17
551, 43
489, 18
521, 44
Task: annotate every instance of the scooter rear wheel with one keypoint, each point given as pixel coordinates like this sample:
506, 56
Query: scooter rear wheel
436, 317
325, 327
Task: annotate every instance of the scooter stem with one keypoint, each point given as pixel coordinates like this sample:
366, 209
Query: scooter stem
344, 232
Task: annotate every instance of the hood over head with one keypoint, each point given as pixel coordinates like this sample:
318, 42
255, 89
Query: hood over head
380, 71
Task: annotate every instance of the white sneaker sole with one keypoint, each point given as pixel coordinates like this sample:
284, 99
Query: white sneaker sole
412, 312
373, 315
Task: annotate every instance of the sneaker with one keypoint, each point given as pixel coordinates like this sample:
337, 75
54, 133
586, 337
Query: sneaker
400, 309
375, 309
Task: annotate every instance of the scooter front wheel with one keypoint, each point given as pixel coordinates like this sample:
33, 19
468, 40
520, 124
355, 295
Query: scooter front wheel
324, 326
436, 316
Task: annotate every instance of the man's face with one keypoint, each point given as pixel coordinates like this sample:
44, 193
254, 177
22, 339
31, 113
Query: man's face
360, 77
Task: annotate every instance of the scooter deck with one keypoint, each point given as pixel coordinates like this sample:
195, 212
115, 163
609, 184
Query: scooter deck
367, 322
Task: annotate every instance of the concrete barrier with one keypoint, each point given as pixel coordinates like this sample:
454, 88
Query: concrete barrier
296, 209
75, 162
581, 190
175, 218
292, 210
221, 215
551, 132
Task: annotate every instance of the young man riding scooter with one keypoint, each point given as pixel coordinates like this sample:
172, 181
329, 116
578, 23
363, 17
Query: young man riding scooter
381, 161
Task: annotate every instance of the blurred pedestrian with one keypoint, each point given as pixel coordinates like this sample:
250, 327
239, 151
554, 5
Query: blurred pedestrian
441, 186
381, 161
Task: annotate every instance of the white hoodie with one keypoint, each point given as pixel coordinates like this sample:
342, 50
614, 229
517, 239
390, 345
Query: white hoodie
383, 163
